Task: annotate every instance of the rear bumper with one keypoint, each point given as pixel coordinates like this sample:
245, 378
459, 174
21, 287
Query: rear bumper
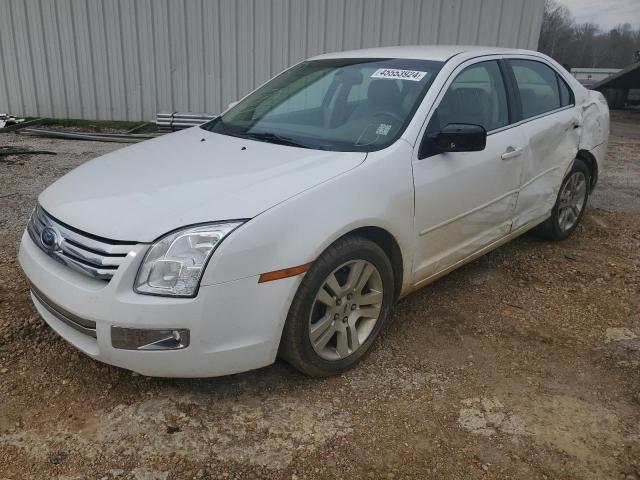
234, 326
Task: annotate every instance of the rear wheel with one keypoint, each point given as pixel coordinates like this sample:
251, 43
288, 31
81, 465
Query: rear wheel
339, 308
570, 204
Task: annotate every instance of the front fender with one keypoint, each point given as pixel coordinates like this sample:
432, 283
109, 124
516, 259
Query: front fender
379, 193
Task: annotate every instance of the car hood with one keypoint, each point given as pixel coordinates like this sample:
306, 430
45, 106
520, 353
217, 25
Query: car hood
143, 191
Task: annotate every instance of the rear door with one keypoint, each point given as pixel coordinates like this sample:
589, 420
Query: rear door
552, 128
464, 200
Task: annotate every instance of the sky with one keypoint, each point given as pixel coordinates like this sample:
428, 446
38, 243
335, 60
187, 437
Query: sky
605, 13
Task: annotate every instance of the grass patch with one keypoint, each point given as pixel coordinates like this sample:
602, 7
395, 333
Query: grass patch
90, 125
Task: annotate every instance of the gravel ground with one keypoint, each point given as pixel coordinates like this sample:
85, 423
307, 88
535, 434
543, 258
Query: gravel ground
619, 188
523, 364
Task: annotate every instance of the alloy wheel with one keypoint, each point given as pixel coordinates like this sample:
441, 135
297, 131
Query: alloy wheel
571, 200
346, 309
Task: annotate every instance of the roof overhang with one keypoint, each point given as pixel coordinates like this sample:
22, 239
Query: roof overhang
624, 79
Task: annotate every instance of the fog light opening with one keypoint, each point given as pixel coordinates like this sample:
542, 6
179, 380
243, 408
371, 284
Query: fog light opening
149, 339
176, 336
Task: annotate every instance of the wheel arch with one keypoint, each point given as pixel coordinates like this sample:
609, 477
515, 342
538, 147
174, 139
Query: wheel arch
587, 157
385, 240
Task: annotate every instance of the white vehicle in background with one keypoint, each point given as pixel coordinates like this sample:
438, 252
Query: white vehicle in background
290, 224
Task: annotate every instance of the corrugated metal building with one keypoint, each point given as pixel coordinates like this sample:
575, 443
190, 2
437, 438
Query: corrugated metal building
128, 59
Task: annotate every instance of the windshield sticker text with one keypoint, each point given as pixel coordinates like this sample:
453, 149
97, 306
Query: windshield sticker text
395, 74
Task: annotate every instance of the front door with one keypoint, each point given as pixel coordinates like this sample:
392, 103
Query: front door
464, 201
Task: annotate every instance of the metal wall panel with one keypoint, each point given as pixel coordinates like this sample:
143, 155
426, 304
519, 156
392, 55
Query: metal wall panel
128, 59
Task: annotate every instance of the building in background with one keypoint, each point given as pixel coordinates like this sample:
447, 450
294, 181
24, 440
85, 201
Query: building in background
593, 74
129, 59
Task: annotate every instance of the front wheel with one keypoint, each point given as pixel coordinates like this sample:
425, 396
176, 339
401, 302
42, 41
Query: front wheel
570, 204
339, 308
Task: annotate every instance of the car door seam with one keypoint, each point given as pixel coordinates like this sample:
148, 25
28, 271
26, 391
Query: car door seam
478, 253
495, 200
473, 210
541, 174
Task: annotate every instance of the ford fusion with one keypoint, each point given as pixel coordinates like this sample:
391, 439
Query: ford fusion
289, 225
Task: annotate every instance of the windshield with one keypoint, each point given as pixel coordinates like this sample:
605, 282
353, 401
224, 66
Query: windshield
336, 104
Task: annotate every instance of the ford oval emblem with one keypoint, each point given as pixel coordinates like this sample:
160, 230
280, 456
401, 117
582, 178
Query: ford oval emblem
49, 238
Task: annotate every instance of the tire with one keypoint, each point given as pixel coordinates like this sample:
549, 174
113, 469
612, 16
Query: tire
332, 318
558, 227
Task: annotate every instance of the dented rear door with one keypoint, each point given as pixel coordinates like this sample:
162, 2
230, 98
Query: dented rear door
552, 126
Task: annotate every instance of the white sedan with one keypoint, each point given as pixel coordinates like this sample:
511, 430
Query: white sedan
289, 225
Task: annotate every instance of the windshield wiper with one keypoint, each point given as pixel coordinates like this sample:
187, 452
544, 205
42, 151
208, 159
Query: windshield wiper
274, 138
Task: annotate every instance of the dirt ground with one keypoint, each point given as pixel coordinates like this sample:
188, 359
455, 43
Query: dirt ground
524, 364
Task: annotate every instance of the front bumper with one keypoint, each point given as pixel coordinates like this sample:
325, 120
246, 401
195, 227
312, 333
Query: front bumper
234, 326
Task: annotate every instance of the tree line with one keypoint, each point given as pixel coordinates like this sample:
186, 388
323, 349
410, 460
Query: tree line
584, 44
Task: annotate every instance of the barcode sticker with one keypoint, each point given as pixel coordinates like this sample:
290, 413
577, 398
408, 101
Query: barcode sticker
383, 129
395, 74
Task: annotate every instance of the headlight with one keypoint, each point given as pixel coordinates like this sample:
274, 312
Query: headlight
173, 266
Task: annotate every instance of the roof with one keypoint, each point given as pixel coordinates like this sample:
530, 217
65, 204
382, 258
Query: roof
421, 52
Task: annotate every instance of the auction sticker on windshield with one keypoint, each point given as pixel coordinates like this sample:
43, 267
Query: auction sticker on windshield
395, 74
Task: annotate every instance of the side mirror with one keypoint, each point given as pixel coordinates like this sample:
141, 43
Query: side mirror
232, 104
461, 137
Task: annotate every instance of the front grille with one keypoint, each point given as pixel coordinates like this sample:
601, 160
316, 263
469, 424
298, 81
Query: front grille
82, 325
85, 253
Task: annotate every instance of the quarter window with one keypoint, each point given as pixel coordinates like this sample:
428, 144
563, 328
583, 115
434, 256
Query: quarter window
476, 96
538, 86
566, 97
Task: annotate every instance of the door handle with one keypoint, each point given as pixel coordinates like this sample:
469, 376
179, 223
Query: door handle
512, 153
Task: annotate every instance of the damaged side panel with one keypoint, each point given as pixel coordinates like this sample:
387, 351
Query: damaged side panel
595, 127
551, 148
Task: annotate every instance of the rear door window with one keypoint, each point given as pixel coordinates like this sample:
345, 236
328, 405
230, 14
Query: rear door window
538, 86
